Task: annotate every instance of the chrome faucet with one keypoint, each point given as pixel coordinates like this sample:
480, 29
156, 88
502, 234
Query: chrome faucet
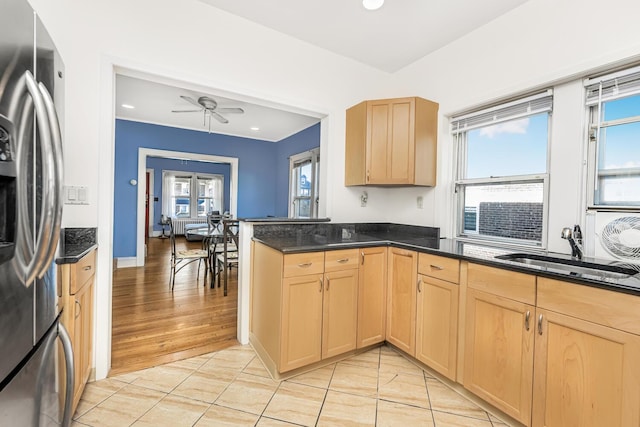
575, 240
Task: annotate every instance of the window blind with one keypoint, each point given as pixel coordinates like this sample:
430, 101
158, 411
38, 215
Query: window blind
612, 86
529, 106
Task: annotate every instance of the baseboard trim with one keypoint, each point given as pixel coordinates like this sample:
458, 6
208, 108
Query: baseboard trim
126, 262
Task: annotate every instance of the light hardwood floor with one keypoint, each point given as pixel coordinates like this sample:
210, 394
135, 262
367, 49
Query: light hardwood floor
153, 325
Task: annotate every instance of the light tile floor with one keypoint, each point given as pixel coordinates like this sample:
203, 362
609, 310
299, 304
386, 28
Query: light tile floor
232, 388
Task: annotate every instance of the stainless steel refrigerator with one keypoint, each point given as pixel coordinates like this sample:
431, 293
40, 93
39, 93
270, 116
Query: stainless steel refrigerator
36, 362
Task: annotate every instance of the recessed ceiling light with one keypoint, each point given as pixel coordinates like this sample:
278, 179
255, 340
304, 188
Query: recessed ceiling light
254, 128
372, 4
130, 107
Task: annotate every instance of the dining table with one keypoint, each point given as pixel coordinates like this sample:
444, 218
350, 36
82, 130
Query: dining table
211, 237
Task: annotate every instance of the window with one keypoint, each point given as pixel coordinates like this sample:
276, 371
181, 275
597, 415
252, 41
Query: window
303, 184
613, 103
178, 188
502, 179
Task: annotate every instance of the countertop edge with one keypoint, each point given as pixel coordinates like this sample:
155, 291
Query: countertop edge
72, 259
492, 262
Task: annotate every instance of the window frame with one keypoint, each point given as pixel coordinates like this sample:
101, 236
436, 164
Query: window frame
314, 157
595, 122
167, 194
460, 141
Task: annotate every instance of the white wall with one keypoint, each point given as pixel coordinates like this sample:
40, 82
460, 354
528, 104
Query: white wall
540, 42
192, 42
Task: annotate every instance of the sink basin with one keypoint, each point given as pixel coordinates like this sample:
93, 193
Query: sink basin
571, 266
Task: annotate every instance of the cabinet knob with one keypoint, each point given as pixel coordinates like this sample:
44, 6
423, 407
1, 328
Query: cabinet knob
87, 268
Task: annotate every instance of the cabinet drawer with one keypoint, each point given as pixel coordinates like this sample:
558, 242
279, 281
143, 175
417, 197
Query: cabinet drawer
442, 268
614, 309
304, 263
506, 283
82, 271
340, 260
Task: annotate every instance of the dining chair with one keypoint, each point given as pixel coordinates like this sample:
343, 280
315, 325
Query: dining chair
229, 256
182, 258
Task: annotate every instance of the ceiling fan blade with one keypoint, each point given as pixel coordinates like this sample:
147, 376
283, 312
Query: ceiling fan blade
218, 117
230, 110
191, 101
185, 111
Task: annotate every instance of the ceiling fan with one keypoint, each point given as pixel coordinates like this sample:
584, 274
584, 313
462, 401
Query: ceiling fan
209, 107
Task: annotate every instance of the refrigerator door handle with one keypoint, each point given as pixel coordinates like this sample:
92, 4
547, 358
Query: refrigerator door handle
38, 263
68, 357
56, 199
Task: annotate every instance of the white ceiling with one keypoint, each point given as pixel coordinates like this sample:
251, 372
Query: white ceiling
399, 33
394, 36
154, 101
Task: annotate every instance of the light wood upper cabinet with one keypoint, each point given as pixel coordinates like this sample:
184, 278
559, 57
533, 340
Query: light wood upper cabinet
391, 142
585, 373
499, 340
437, 313
401, 299
77, 281
372, 296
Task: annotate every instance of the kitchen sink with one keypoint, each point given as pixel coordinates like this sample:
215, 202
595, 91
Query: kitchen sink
571, 266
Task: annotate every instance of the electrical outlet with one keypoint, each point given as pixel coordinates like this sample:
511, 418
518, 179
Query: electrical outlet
419, 200
363, 199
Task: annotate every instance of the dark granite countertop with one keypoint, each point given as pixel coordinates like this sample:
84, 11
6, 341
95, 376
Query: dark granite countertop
422, 239
285, 219
75, 243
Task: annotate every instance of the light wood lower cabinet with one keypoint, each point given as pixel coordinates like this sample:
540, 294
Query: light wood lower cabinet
499, 339
78, 289
301, 321
372, 296
585, 374
437, 325
340, 312
401, 299
498, 354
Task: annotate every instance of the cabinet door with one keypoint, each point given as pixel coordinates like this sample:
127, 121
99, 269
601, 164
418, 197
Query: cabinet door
401, 300
82, 338
372, 296
585, 374
437, 325
498, 364
340, 312
301, 321
401, 145
378, 117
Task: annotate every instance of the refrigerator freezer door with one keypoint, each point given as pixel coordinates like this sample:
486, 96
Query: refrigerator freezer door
36, 394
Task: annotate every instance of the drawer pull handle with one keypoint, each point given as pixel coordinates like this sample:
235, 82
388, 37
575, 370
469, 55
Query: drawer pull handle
342, 260
87, 268
526, 320
540, 325
79, 309
305, 265
436, 267
419, 285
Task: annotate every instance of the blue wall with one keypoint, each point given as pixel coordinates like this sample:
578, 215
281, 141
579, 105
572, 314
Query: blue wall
263, 167
304, 140
160, 164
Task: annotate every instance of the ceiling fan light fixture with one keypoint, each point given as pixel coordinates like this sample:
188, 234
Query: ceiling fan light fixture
372, 4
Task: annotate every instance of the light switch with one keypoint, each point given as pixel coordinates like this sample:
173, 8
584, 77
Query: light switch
76, 195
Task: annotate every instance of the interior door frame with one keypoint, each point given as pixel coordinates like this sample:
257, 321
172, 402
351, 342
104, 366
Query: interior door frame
143, 153
151, 205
